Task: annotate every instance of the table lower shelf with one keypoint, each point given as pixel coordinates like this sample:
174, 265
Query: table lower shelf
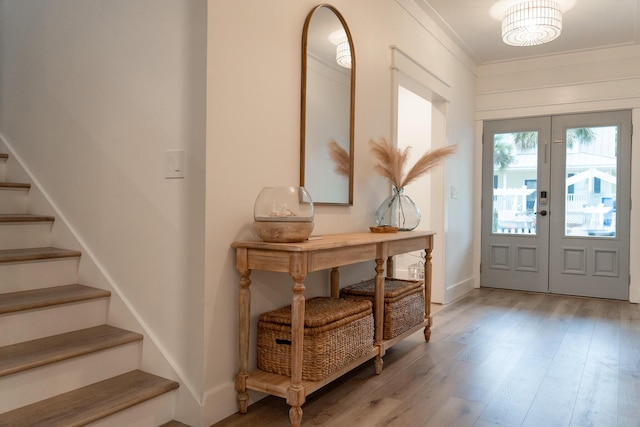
277, 385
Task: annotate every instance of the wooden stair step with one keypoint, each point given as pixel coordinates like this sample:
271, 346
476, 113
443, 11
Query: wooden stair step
174, 423
91, 403
4, 156
25, 218
47, 297
15, 185
42, 351
36, 254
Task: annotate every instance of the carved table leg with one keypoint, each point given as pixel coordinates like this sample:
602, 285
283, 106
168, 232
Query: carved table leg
295, 400
242, 397
296, 392
427, 290
244, 303
379, 315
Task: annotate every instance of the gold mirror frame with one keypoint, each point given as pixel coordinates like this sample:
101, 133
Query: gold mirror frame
341, 195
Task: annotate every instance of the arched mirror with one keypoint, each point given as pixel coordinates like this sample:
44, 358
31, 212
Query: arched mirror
328, 88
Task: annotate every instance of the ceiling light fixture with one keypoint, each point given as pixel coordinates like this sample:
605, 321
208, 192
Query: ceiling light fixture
532, 23
343, 49
343, 53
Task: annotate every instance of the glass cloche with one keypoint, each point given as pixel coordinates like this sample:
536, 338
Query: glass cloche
283, 214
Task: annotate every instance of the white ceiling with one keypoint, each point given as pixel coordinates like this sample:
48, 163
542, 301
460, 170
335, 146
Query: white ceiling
587, 24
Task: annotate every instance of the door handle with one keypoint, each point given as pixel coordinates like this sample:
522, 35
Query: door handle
542, 213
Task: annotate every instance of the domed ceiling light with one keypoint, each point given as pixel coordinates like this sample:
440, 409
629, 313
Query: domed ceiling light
532, 23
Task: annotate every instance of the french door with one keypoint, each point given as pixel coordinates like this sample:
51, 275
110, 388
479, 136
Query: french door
556, 202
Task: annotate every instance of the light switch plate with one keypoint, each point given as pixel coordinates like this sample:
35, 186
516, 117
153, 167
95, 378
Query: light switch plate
174, 164
454, 192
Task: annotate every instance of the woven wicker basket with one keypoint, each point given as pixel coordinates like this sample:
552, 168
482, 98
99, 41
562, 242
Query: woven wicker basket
403, 303
336, 333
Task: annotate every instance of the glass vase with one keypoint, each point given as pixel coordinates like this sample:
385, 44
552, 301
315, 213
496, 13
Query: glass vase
283, 214
398, 210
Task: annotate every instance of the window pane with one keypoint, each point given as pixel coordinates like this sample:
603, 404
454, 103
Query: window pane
590, 186
515, 170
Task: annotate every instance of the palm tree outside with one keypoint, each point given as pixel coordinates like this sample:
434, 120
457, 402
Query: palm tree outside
527, 141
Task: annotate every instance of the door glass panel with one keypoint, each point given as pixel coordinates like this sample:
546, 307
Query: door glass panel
515, 177
590, 183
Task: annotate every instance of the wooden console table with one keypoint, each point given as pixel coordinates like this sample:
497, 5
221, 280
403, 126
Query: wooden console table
300, 259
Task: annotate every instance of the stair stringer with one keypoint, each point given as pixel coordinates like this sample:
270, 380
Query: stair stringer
121, 312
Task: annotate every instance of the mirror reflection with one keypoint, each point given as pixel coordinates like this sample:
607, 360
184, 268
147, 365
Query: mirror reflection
328, 86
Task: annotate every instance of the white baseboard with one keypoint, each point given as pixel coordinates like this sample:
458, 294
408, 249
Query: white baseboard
458, 290
220, 402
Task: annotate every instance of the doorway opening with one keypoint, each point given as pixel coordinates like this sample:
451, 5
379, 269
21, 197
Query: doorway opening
419, 110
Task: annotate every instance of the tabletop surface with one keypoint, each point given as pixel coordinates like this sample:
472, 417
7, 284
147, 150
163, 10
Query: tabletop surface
329, 241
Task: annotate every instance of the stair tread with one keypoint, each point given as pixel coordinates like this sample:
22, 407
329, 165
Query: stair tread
37, 298
42, 351
90, 403
26, 218
174, 423
4, 156
18, 185
34, 254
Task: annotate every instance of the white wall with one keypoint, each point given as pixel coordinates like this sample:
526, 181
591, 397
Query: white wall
93, 92
253, 141
600, 80
91, 95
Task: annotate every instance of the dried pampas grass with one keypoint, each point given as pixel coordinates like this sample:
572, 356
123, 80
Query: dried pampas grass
392, 161
340, 157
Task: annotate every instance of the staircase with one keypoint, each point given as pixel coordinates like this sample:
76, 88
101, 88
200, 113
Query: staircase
61, 364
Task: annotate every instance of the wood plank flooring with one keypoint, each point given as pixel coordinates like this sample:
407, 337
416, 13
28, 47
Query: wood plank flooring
496, 358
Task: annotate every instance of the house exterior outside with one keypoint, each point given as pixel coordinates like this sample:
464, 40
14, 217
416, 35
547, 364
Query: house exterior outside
589, 187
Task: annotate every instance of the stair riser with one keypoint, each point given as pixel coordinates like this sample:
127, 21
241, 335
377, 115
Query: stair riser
33, 385
22, 276
153, 412
3, 175
25, 235
13, 201
39, 323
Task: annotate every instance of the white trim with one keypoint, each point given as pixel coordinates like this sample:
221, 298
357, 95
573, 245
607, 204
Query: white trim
477, 210
634, 232
438, 30
458, 290
409, 73
433, 87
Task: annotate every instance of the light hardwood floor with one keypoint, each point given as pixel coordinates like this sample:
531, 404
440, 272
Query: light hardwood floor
496, 358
